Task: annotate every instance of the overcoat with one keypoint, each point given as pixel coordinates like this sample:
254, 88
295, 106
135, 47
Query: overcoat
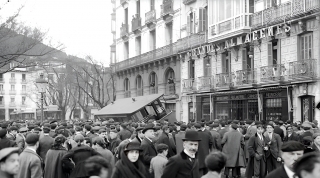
164, 138
274, 145
149, 151
179, 166
252, 130
45, 143
232, 146
78, 156
216, 142
254, 144
30, 165
205, 146
179, 142
278, 173
53, 164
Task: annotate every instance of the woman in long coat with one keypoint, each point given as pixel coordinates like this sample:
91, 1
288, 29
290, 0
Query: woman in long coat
232, 146
53, 164
78, 155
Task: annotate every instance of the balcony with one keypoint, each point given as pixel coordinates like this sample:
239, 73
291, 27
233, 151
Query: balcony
188, 85
1, 80
150, 17
236, 25
23, 81
139, 91
153, 90
187, 2
127, 94
170, 89
205, 83
12, 104
12, 80
136, 23
273, 73
167, 8
191, 41
303, 70
244, 77
154, 55
223, 80
287, 10
2, 92
124, 30
12, 92
23, 92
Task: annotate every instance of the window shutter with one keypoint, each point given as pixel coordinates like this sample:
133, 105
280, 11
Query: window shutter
188, 24
244, 59
200, 26
270, 57
204, 19
194, 22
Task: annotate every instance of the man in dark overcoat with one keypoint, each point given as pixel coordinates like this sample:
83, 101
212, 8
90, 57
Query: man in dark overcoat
233, 143
251, 131
45, 143
148, 147
185, 164
216, 142
205, 146
257, 167
179, 136
164, 138
274, 143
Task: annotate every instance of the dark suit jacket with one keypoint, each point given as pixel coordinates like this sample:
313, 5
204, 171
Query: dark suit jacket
293, 137
164, 138
305, 134
45, 143
205, 146
149, 151
278, 131
278, 173
179, 166
5, 143
274, 145
222, 132
256, 152
216, 139
179, 142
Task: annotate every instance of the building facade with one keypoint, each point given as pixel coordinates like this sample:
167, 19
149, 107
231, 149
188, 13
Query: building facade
260, 62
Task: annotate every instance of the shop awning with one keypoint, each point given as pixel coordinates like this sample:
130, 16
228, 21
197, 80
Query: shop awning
127, 105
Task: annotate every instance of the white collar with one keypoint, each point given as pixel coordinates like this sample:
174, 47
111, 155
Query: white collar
148, 139
189, 154
45, 134
289, 172
32, 149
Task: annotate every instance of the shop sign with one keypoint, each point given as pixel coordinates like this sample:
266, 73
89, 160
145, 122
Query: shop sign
206, 100
221, 98
273, 95
237, 97
248, 38
253, 96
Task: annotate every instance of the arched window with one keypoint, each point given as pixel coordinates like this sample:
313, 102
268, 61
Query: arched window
139, 86
170, 79
153, 83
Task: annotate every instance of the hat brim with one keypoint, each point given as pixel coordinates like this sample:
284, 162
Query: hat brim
186, 139
144, 130
139, 149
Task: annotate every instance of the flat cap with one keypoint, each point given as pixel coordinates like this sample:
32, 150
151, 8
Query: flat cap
161, 146
291, 146
114, 131
96, 128
32, 138
215, 125
46, 129
183, 127
197, 125
23, 129
8, 151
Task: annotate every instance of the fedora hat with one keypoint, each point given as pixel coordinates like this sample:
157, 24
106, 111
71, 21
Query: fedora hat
191, 135
132, 146
149, 126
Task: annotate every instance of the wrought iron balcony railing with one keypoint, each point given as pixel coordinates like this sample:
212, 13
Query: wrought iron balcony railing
188, 85
23, 81
223, 80
303, 69
206, 83
153, 90
150, 16
12, 80
127, 94
124, 30
243, 77
275, 72
287, 10
191, 41
139, 91
136, 22
23, 92
170, 89
12, 92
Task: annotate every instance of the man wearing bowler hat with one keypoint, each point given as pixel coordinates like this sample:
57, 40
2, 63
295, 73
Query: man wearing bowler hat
185, 164
148, 147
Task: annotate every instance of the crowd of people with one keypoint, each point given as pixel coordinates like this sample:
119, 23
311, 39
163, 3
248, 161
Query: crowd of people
159, 149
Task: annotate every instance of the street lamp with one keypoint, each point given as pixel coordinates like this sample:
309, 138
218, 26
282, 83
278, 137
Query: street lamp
42, 86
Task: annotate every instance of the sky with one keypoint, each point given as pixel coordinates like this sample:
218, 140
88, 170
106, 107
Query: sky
82, 26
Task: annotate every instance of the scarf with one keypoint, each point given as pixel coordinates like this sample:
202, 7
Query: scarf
129, 169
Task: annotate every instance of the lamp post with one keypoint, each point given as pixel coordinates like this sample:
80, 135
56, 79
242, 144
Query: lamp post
42, 86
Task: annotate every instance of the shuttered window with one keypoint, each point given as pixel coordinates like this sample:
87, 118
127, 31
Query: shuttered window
270, 56
190, 23
306, 46
202, 19
244, 59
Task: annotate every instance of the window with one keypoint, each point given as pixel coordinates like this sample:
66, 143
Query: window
153, 79
23, 100
24, 87
273, 53
226, 60
207, 66
23, 77
126, 20
12, 88
224, 10
153, 40
191, 69
138, 45
139, 86
190, 23
151, 4
203, 19
1, 87
126, 84
306, 46
126, 50
138, 7
1, 100
1, 77
12, 99
168, 34
12, 75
